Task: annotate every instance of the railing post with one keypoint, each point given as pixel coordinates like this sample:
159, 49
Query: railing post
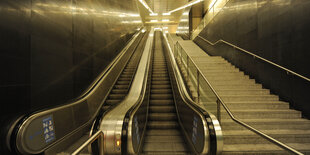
101, 145
187, 68
198, 94
174, 50
218, 106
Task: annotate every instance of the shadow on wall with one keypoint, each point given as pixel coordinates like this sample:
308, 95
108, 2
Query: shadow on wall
275, 30
51, 51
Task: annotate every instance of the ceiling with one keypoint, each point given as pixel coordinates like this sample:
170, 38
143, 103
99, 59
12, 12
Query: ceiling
162, 6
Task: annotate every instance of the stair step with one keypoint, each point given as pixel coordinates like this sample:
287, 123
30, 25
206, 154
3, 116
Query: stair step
257, 105
239, 87
263, 114
247, 136
243, 92
232, 82
267, 124
253, 149
229, 98
231, 78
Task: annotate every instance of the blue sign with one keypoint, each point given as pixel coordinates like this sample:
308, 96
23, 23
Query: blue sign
48, 129
194, 133
136, 124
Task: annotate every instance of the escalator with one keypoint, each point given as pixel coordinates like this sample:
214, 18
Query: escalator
67, 126
122, 85
163, 133
158, 116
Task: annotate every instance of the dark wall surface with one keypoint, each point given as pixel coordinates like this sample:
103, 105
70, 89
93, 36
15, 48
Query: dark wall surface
52, 50
277, 30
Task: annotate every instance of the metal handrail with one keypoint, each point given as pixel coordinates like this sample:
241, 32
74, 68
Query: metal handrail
98, 135
282, 145
255, 56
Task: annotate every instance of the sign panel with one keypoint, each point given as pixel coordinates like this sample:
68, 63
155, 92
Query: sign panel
48, 129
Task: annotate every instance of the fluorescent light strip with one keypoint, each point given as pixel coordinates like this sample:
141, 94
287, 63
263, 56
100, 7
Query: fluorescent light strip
186, 5
153, 14
146, 6
166, 14
165, 20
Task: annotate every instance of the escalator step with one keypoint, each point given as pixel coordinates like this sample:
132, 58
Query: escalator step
161, 78
162, 125
162, 109
163, 132
165, 138
161, 91
128, 72
160, 75
117, 96
112, 102
164, 86
159, 72
126, 76
125, 79
162, 117
121, 86
165, 148
161, 102
106, 107
119, 91
160, 82
161, 96
123, 82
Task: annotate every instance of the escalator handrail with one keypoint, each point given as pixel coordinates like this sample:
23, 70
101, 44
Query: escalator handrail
99, 135
19, 128
255, 56
260, 133
112, 123
194, 106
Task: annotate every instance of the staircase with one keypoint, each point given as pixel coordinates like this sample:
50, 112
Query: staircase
254, 105
163, 135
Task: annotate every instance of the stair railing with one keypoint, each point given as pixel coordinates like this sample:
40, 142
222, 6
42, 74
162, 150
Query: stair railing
208, 95
254, 56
